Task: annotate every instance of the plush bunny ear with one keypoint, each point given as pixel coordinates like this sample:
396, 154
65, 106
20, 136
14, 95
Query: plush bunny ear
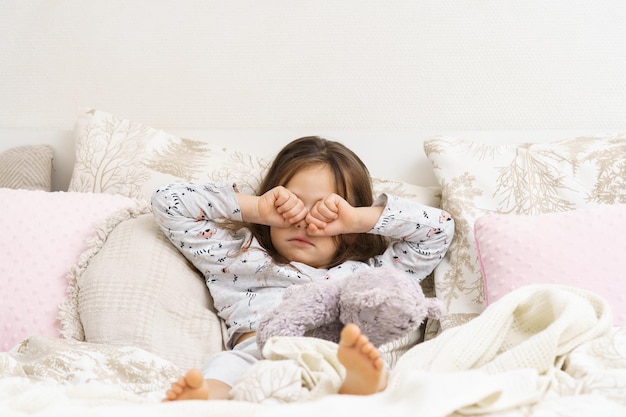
434, 308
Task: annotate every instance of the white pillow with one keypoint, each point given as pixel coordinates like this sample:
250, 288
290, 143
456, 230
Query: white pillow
121, 156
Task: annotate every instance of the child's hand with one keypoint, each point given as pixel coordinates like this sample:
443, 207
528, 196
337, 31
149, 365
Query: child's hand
331, 216
280, 207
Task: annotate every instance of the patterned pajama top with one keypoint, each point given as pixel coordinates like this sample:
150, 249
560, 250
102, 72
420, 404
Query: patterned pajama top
245, 282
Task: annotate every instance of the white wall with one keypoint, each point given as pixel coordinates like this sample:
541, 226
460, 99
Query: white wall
349, 64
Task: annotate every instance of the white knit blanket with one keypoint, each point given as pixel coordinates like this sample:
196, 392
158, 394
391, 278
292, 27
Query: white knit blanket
541, 349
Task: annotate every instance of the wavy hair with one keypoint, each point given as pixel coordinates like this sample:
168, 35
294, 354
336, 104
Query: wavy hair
353, 184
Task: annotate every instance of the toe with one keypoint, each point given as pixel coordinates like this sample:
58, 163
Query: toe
350, 334
194, 378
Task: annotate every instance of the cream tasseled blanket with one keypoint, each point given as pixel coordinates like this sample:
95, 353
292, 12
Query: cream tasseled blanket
539, 349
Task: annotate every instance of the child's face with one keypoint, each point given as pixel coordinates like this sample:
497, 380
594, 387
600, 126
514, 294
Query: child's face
310, 184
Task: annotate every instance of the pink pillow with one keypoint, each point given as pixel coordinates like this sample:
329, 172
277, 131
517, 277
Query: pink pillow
583, 248
42, 234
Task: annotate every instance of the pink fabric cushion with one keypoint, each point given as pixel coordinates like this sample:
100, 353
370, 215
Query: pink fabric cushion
42, 236
582, 248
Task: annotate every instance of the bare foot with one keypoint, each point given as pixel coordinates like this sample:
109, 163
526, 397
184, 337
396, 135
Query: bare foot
192, 386
365, 368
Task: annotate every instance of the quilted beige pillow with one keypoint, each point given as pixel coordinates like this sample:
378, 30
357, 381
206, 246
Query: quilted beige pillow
136, 289
529, 178
27, 167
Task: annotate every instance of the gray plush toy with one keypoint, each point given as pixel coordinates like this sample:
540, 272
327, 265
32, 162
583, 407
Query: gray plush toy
384, 302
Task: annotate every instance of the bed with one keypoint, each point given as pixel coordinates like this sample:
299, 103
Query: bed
100, 313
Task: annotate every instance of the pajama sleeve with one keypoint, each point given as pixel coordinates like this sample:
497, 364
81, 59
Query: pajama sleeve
420, 235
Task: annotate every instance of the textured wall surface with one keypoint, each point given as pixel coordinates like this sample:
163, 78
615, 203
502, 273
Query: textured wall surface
350, 64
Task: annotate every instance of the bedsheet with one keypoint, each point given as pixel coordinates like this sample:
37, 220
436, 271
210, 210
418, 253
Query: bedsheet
540, 350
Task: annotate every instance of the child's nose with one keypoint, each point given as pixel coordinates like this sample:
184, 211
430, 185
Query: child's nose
301, 224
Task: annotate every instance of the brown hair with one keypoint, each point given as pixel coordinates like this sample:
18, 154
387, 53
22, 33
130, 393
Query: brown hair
353, 184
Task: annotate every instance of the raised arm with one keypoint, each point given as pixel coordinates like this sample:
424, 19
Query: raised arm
190, 215
421, 235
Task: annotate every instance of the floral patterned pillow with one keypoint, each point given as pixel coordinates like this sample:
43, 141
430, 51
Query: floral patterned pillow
121, 156
530, 178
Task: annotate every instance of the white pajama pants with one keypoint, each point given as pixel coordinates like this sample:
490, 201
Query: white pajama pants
229, 365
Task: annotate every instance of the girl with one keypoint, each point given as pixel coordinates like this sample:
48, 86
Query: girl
314, 219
